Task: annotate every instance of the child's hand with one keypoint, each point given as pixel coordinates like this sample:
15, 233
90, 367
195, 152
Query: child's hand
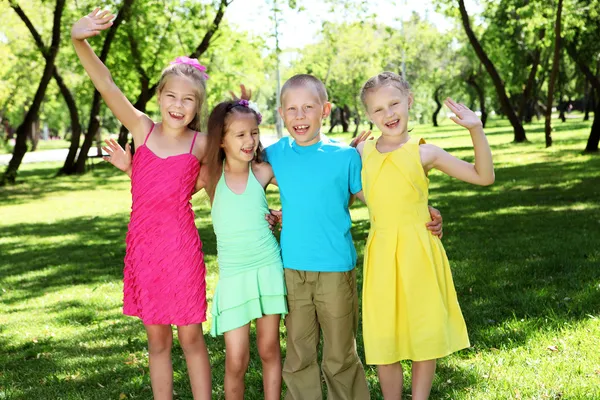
245, 94
91, 24
364, 135
464, 116
274, 217
436, 223
117, 156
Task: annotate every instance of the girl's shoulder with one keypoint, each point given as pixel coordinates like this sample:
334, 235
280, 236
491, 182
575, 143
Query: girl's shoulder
200, 144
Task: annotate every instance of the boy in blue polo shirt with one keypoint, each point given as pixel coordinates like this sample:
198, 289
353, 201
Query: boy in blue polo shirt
316, 178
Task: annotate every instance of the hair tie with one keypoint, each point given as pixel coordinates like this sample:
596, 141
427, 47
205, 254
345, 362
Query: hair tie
251, 105
191, 62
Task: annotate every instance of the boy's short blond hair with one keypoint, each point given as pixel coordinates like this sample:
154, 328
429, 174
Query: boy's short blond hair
303, 80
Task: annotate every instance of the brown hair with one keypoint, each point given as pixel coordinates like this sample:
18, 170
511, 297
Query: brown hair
217, 128
384, 79
306, 80
196, 76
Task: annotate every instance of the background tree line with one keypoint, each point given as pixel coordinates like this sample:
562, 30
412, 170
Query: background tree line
516, 59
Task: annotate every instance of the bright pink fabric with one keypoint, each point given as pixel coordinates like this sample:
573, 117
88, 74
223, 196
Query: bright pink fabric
164, 276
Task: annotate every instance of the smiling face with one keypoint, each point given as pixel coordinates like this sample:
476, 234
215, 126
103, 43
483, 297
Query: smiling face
387, 106
241, 139
302, 111
178, 102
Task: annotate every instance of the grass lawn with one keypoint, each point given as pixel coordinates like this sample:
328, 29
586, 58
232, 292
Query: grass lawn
524, 252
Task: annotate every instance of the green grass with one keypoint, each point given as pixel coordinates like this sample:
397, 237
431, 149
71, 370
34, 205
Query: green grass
524, 254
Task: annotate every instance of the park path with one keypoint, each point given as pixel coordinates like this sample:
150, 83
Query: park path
61, 154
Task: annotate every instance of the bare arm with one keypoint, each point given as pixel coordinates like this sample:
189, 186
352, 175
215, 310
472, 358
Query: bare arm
92, 25
480, 173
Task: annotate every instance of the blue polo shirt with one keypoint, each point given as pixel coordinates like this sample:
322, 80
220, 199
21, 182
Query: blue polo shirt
315, 184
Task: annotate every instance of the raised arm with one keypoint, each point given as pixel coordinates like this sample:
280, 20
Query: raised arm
91, 25
480, 173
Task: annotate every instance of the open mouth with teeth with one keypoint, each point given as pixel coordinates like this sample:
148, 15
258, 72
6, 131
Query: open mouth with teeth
175, 115
248, 151
392, 124
301, 129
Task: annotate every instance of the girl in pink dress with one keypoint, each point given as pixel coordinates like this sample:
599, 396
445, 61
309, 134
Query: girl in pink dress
164, 280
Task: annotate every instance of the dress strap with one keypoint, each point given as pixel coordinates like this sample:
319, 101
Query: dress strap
148, 135
193, 141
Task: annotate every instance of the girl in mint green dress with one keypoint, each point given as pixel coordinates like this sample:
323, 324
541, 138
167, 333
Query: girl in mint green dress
251, 282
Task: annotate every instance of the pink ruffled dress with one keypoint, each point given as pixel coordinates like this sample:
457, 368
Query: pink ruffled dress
164, 276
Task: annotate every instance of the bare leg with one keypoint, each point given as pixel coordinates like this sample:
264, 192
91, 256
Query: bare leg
160, 341
192, 342
391, 380
237, 356
269, 349
422, 377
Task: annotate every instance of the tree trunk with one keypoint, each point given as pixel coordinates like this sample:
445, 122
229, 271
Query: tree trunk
438, 103
64, 90
594, 138
344, 115
553, 75
75, 124
592, 143
334, 119
356, 118
519, 132
586, 101
481, 96
526, 100
145, 96
20, 146
94, 121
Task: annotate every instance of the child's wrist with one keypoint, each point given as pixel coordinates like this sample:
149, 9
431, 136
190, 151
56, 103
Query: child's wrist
477, 129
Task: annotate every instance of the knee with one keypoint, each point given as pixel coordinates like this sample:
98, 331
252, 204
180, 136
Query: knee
159, 345
191, 343
237, 364
269, 351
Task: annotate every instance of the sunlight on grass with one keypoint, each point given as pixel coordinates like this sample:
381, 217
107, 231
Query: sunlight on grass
524, 254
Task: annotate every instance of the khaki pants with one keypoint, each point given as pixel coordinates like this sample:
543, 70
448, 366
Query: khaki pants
327, 302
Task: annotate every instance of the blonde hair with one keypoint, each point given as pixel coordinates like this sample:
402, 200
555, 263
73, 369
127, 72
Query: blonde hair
385, 78
199, 80
303, 80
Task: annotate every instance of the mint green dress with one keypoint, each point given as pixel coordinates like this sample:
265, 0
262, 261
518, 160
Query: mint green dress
251, 281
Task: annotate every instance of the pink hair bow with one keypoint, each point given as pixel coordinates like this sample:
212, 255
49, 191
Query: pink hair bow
193, 62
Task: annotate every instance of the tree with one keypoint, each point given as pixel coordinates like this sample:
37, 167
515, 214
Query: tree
20, 145
147, 88
78, 166
519, 132
64, 90
555, 63
583, 47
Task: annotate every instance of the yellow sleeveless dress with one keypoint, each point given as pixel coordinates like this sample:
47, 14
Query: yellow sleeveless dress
409, 308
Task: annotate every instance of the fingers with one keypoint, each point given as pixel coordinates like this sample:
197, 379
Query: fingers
104, 26
451, 105
276, 213
128, 148
93, 13
102, 14
434, 227
457, 120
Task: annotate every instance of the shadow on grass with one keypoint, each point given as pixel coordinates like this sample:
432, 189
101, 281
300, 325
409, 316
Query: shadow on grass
41, 181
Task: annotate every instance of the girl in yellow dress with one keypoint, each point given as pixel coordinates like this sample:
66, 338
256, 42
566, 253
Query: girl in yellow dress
410, 309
